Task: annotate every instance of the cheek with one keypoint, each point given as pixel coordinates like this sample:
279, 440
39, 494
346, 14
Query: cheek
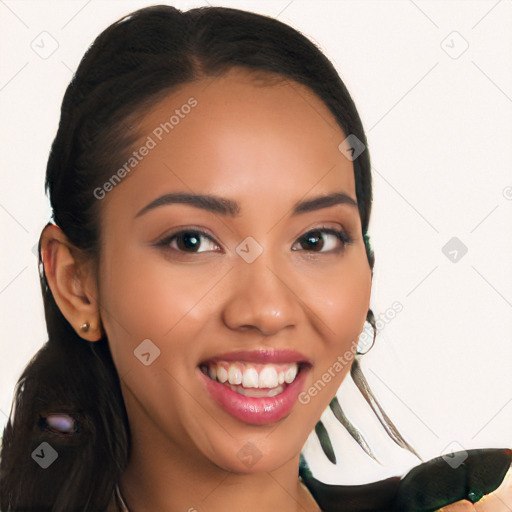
145, 297
129, 294
339, 305
342, 299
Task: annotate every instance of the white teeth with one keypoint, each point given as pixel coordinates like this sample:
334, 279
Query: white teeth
268, 378
222, 374
258, 393
250, 379
275, 391
291, 373
251, 375
234, 375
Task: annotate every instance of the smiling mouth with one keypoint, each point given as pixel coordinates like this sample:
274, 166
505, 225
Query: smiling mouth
253, 379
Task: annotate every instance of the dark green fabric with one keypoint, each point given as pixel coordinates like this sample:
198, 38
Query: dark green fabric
434, 484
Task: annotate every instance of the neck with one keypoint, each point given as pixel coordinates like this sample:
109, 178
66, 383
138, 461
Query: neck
145, 486
162, 475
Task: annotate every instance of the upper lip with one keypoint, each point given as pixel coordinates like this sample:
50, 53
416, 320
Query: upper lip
261, 356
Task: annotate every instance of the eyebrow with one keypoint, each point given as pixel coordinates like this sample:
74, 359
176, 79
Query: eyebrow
231, 208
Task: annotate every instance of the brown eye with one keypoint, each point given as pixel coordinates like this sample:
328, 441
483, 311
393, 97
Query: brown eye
323, 240
312, 241
190, 241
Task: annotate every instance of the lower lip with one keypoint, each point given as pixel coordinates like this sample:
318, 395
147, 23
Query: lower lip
256, 411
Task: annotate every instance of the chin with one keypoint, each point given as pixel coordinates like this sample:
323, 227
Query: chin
257, 456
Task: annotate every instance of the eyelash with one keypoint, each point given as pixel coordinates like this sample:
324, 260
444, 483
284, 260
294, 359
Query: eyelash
341, 236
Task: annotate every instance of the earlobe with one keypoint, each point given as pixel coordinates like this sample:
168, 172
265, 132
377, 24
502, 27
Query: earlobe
71, 280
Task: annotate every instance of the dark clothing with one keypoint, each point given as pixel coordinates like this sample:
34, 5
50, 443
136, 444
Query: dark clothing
426, 488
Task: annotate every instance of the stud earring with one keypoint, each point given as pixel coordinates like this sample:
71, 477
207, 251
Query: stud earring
85, 327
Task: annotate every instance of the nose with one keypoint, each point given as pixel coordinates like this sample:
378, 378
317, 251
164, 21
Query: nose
261, 299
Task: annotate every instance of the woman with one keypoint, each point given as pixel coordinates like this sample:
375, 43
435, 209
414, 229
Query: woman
208, 261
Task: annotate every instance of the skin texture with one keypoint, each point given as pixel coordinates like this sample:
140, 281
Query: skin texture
266, 148
266, 145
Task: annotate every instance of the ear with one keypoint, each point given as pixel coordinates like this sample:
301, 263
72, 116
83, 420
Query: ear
72, 282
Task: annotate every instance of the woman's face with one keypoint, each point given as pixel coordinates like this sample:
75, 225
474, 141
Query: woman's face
183, 286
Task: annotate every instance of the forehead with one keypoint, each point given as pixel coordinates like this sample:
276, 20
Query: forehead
241, 135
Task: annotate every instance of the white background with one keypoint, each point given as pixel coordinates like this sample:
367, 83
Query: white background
439, 131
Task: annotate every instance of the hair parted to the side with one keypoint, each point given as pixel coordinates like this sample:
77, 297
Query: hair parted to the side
134, 62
